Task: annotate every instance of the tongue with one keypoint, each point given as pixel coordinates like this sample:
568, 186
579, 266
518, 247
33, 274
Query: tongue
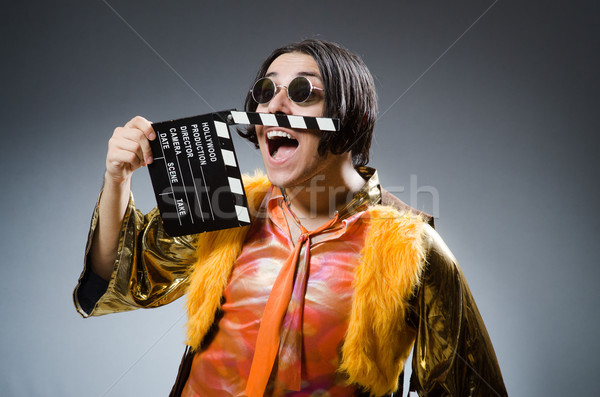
284, 152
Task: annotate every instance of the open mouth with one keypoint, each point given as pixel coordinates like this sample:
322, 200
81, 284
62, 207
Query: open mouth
281, 145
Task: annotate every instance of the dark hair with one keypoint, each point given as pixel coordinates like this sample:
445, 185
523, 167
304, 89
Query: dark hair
349, 95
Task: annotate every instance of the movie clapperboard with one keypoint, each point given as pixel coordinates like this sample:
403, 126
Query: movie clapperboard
195, 173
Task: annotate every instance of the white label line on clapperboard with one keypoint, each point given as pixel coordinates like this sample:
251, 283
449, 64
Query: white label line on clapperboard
170, 183
212, 214
158, 158
165, 193
187, 200
196, 190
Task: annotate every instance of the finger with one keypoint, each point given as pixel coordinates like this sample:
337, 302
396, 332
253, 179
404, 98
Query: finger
146, 151
124, 157
129, 140
121, 162
143, 125
138, 138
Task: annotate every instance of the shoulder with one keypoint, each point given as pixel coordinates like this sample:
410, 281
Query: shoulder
395, 249
441, 272
439, 264
404, 238
388, 199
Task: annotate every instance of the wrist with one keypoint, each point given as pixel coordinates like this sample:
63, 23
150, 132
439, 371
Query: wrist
116, 183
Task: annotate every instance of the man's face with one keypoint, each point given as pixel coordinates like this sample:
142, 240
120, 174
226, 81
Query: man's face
290, 155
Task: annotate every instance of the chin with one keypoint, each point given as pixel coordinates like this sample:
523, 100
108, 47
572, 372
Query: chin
277, 179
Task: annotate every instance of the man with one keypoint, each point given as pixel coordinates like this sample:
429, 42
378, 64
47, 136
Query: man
328, 290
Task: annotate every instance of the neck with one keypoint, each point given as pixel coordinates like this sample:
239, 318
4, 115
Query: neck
325, 193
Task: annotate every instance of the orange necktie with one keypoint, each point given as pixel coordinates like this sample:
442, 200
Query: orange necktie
269, 333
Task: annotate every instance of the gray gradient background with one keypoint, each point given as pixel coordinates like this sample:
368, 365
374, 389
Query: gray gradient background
503, 126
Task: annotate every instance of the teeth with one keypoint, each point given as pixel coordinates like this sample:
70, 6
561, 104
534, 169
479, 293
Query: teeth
273, 134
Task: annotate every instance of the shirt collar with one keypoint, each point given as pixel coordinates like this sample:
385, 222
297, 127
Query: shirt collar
367, 196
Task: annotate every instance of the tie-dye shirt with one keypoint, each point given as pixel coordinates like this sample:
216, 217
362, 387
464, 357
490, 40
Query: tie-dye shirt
222, 368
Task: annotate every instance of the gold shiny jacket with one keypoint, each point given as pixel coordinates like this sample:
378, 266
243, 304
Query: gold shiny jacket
421, 299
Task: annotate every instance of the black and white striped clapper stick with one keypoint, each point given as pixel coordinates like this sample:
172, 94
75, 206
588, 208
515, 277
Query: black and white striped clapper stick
284, 120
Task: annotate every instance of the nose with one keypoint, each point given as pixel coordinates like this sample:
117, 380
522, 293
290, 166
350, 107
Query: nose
280, 103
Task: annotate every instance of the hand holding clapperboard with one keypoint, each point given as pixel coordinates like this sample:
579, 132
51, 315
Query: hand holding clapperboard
195, 173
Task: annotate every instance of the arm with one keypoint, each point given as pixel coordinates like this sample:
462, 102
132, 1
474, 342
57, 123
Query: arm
129, 261
150, 268
453, 354
128, 150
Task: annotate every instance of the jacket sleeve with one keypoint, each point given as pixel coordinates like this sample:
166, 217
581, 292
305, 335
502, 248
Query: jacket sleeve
151, 268
453, 354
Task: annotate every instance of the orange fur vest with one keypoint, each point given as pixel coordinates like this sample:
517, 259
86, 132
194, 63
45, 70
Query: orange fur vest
378, 340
